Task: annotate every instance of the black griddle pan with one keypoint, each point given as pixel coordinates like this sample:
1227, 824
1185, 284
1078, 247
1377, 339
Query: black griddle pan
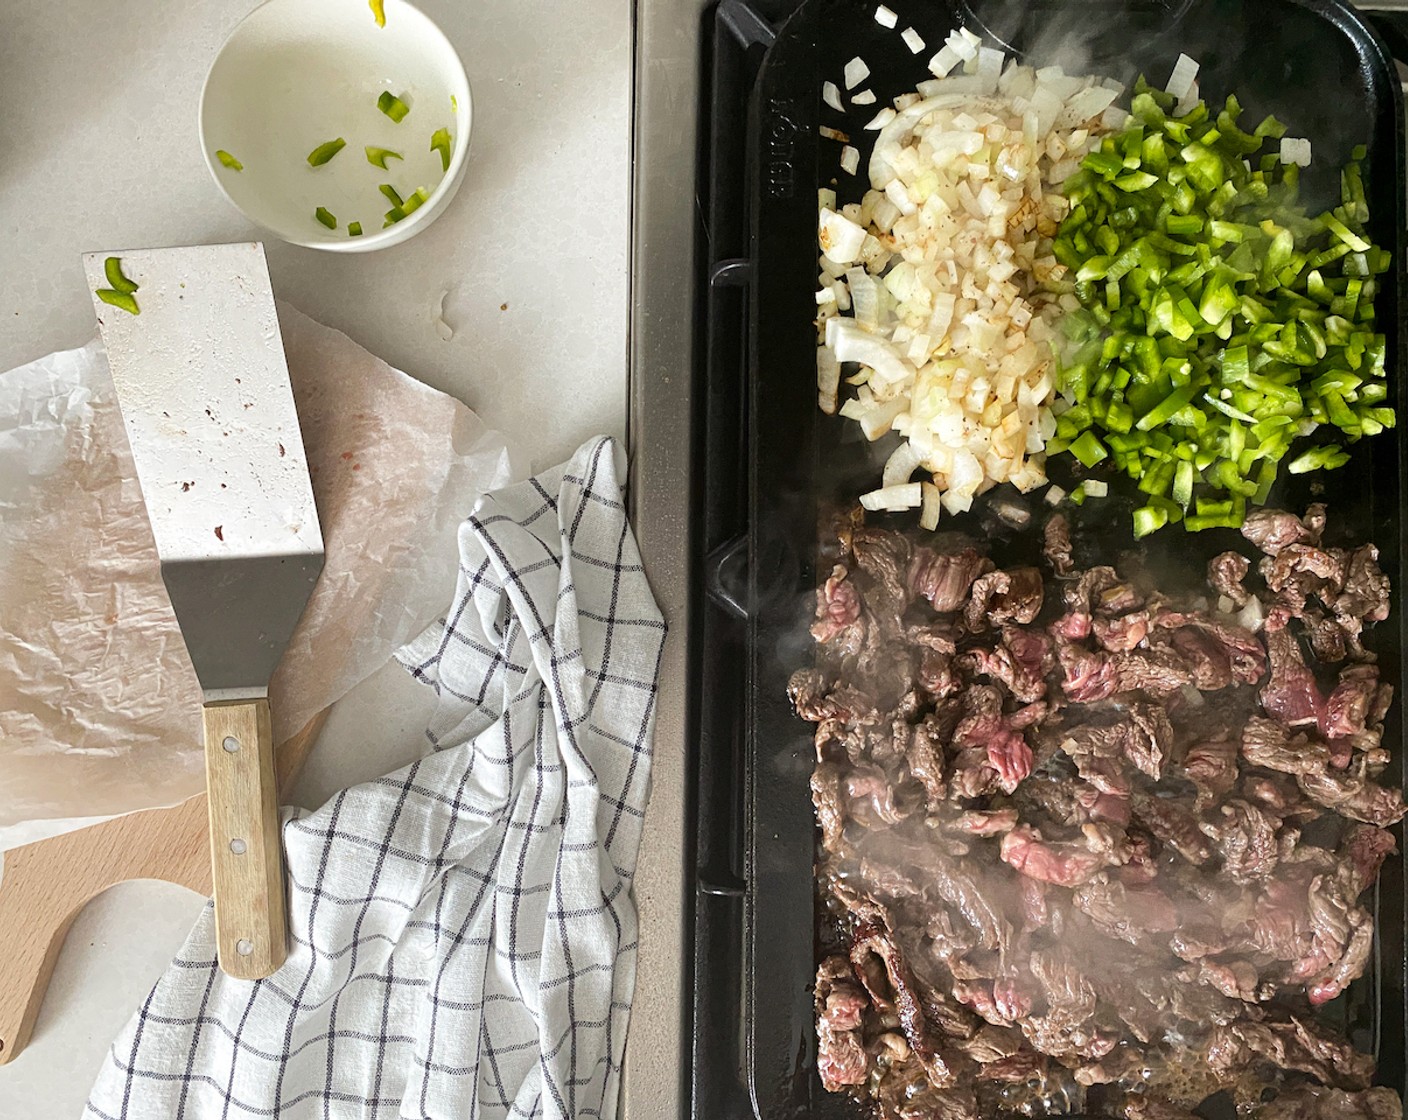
1321, 69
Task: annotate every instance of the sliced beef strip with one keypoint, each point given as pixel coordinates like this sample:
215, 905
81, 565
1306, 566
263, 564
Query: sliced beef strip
1353, 796
946, 578
838, 614
872, 943
1245, 839
884, 558
1290, 695
1268, 744
1352, 702
1124, 912
830, 806
1064, 863
1271, 530
1308, 1101
1296, 1044
1011, 595
1212, 767
1056, 544
1225, 575
926, 760
1365, 598
1173, 822
840, 1005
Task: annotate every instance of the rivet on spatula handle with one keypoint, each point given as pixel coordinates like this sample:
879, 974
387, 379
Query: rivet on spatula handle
251, 921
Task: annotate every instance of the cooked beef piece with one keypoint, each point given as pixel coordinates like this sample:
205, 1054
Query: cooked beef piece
926, 760
1097, 676
1212, 768
1328, 640
830, 809
1013, 595
1173, 823
906, 1098
1268, 744
840, 1005
1101, 591
1303, 571
1100, 754
1354, 797
1122, 633
1245, 837
1353, 959
946, 579
1366, 591
1308, 1101
1065, 863
870, 798
893, 983
1056, 544
1290, 694
884, 558
977, 822
1297, 1044
838, 613
1366, 847
1351, 702
1020, 662
1271, 530
1225, 575
1125, 1061
1020, 1065
1128, 913
807, 689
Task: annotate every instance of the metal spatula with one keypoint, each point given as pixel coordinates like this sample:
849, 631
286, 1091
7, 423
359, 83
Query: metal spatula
205, 397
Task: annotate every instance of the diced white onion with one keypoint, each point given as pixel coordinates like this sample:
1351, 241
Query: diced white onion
864, 97
881, 119
1185, 70
964, 45
831, 94
830, 133
929, 506
907, 496
828, 379
840, 237
856, 72
884, 17
1094, 488
1189, 101
913, 40
1054, 495
952, 309
942, 64
900, 465
850, 160
1295, 151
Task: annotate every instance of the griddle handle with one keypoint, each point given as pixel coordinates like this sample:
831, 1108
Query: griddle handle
1392, 27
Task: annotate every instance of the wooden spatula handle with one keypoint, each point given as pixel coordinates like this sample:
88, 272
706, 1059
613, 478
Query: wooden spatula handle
246, 856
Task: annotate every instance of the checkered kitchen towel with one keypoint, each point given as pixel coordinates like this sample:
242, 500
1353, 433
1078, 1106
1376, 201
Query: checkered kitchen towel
464, 937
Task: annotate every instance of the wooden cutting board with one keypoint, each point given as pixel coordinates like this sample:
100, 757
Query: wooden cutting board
46, 884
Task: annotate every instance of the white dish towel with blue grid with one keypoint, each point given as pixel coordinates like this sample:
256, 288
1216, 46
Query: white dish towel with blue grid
463, 932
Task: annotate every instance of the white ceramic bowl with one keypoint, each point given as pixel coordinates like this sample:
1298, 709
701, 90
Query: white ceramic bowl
297, 73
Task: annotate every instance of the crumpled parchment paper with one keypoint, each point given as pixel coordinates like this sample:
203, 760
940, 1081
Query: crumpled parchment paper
100, 711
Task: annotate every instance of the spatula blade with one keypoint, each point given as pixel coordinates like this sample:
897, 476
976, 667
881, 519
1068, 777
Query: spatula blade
203, 387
